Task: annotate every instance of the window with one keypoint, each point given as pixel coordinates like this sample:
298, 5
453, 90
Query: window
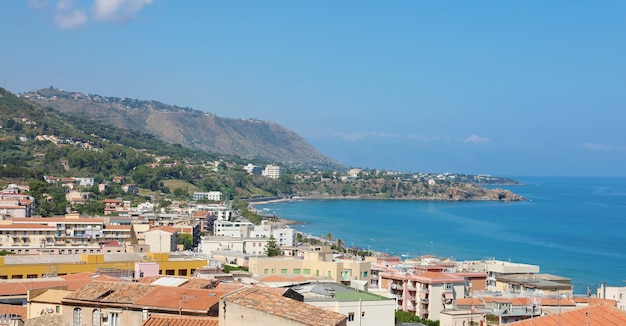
95, 317
265, 271
365, 274
306, 271
115, 319
296, 271
57, 309
283, 271
76, 316
350, 316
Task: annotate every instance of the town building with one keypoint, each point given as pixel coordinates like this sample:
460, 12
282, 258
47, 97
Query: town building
359, 307
253, 169
36, 266
211, 195
272, 171
315, 261
497, 268
161, 239
426, 294
617, 293
258, 306
129, 303
283, 235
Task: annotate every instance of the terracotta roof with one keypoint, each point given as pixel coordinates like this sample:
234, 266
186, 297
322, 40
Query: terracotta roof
169, 320
21, 288
118, 227
14, 309
77, 281
257, 298
111, 292
180, 298
164, 228
45, 320
201, 214
602, 314
470, 302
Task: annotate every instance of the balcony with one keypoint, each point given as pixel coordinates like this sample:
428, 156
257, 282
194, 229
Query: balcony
411, 288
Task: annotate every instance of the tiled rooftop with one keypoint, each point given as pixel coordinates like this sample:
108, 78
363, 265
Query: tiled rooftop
180, 298
257, 298
599, 315
169, 320
7, 309
111, 292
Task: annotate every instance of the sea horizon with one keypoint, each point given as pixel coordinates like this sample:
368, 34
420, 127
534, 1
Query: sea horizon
570, 226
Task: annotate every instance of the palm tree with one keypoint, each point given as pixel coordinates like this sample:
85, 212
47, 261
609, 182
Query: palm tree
329, 237
340, 245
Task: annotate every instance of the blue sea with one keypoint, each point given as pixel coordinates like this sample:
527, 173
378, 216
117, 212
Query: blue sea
572, 227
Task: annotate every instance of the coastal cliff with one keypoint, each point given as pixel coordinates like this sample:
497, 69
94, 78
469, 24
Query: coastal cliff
413, 191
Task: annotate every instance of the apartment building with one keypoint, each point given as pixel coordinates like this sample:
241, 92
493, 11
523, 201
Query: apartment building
255, 246
272, 171
284, 236
497, 268
360, 307
161, 239
315, 261
211, 195
425, 294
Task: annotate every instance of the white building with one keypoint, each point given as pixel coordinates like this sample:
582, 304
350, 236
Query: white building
361, 307
254, 246
272, 171
253, 169
231, 229
220, 211
284, 236
617, 293
211, 195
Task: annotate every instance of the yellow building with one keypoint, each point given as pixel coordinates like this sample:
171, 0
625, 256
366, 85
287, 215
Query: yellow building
34, 266
315, 261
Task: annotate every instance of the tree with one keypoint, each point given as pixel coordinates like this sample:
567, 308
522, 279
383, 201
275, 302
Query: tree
272, 249
186, 240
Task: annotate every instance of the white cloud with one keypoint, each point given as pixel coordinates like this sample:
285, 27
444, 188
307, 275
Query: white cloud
596, 147
69, 20
476, 139
68, 16
117, 10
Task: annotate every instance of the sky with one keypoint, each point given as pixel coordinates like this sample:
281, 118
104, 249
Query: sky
507, 88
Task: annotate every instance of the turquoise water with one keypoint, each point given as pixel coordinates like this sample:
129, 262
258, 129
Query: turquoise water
572, 227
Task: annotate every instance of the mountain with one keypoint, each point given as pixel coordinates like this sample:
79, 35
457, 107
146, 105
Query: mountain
247, 138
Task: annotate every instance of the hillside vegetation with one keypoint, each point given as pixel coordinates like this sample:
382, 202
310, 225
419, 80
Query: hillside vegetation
246, 138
